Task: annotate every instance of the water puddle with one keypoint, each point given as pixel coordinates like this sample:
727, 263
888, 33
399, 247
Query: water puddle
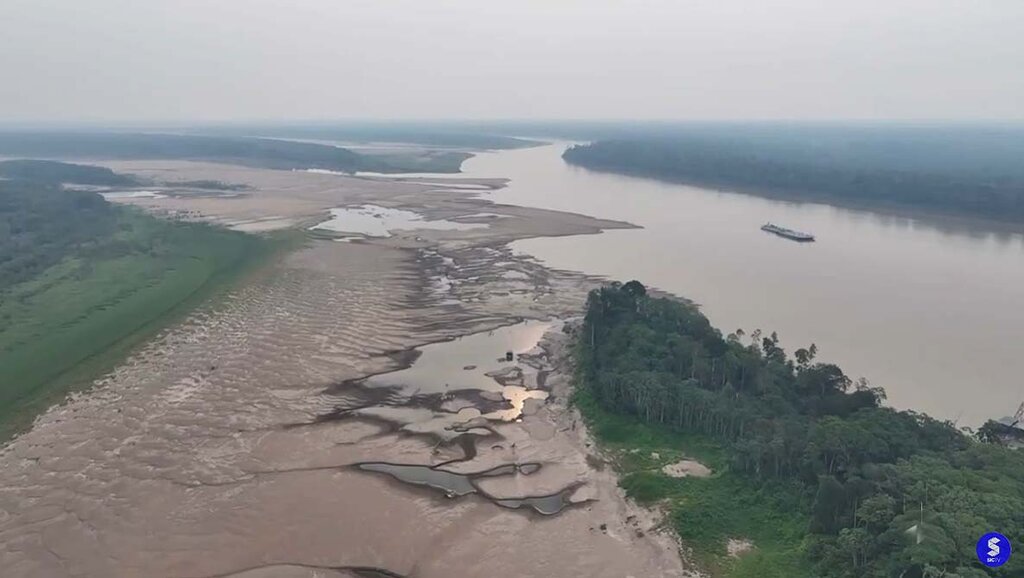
452, 484
132, 195
456, 485
545, 505
518, 397
469, 362
376, 221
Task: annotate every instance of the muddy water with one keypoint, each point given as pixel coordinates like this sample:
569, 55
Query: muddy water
517, 396
464, 363
928, 309
454, 387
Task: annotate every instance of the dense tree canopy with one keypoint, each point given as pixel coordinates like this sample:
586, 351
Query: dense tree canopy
894, 493
467, 136
55, 172
41, 224
256, 152
974, 173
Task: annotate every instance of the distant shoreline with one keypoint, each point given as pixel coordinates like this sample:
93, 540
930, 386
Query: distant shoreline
941, 219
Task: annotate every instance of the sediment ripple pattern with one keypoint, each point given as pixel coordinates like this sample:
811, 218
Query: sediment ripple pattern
186, 411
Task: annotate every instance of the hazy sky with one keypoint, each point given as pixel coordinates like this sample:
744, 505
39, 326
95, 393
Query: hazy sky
159, 60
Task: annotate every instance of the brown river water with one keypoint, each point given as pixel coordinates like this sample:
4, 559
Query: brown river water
927, 308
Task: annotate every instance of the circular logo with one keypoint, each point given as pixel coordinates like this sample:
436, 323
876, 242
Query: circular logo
993, 549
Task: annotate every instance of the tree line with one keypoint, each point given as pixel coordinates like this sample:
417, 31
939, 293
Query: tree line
246, 151
55, 172
891, 493
979, 176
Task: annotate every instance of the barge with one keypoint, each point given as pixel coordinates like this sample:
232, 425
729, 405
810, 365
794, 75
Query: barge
787, 233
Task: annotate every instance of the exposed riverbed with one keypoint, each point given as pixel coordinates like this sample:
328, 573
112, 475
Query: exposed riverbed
351, 410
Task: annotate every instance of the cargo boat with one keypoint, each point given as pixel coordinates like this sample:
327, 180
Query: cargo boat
787, 233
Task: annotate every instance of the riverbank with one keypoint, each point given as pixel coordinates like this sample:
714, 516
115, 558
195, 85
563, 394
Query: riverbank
638, 519
958, 171
949, 221
78, 319
679, 487
233, 441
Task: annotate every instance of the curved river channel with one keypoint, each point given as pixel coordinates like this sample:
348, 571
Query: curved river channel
928, 309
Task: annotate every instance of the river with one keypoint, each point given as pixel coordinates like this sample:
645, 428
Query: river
929, 311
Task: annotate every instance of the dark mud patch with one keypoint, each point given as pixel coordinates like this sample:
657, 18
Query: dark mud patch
357, 571
451, 391
545, 505
460, 381
457, 485
450, 412
453, 485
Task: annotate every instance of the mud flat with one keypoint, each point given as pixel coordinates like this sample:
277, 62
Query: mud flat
343, 414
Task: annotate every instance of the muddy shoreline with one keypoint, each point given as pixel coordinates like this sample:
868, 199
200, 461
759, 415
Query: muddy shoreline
237, 442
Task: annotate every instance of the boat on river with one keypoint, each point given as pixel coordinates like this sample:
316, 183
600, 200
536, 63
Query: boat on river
787, 233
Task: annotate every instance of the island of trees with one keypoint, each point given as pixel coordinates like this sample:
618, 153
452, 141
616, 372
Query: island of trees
962, 171
827, 480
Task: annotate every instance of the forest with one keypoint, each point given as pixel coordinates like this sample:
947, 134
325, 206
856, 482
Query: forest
54, 172
41, 224
870, 491
960, 171
461, 135
239, 150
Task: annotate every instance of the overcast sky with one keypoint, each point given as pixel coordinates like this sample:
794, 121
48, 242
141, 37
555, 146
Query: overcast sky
180, 60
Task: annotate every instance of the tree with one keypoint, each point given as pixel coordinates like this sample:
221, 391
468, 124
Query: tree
805, 356
635, 289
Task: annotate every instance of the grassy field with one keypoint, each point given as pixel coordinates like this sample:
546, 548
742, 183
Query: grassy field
64, 327
705, 512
